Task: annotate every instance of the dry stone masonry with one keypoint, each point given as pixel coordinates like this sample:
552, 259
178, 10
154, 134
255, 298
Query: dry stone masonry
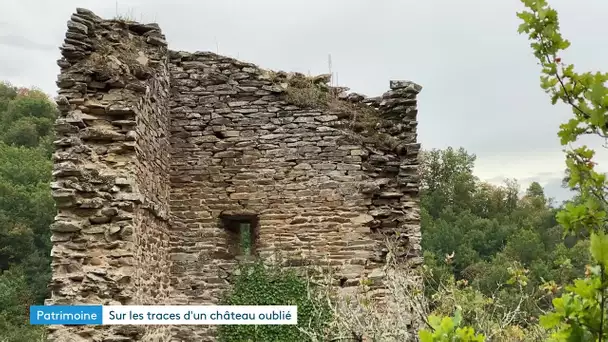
162, 155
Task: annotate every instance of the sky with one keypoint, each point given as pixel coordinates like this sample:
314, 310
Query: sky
480, 81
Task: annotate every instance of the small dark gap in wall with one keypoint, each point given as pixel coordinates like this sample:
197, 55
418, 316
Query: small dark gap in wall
220, 135
242, 234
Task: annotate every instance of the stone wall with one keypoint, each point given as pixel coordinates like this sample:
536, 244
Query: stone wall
157, 148
319, 193
111, 173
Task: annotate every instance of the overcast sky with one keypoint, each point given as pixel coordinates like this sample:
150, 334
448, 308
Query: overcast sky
481, 82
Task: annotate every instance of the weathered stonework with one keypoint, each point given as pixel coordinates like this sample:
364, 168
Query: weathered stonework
155, 147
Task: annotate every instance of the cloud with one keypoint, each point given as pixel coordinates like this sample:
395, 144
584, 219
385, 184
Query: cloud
554, 189
481, 81
24, 43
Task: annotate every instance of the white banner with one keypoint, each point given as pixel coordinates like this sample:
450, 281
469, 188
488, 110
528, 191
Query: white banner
199, 315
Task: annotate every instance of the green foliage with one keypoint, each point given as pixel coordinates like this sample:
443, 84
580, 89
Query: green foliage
260, 284
26, 208
245, 234
491, 253
580, 313
16, 295
447, 329
503, 315
27, 118
483, 227
26, 211
447, 179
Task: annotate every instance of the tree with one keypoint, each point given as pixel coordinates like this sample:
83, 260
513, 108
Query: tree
26, 207
27, 116
446, 179
580, 313
535, 196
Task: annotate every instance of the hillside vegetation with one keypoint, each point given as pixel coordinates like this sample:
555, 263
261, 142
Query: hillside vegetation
26, 207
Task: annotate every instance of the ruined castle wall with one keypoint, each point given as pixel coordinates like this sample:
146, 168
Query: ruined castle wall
110, 237
239, 149
319, 193
155, 148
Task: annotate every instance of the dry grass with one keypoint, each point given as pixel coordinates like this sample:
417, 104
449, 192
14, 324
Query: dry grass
360, 316
306, 97
125, 18
117, 57
306, 91
364, 124
128, 16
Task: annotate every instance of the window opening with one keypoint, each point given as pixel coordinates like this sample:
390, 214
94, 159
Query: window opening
242, 234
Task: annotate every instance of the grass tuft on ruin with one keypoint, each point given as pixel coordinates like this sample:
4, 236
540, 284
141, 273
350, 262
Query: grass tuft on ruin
119, 55
305, 91
364, 124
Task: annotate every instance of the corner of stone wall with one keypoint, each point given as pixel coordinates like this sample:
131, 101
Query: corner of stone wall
111, 173
386, 126
395, 189
400, 106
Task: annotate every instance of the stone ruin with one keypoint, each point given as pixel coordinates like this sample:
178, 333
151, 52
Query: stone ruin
165, 159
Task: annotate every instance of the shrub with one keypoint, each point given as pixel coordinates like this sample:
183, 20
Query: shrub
260, 284
448, 329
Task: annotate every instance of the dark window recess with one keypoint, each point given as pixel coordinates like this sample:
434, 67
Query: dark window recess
242, 234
